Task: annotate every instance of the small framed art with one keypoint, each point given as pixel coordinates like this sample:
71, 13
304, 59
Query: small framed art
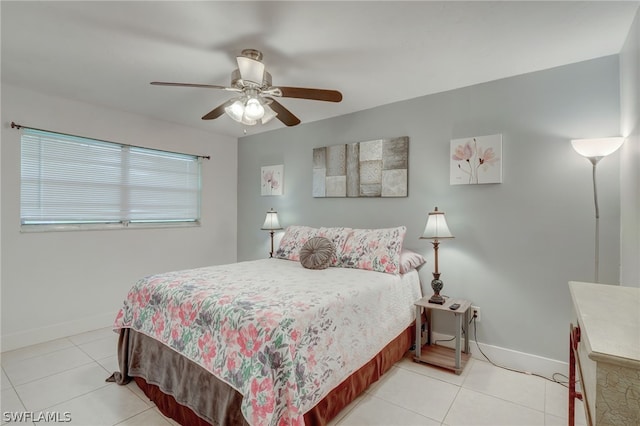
272, 180
476, 160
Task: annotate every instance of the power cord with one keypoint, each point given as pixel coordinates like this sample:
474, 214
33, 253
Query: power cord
435, 342
454, 337
564, 382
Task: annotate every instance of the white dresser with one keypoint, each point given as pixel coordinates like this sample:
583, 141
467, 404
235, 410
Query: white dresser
605, 353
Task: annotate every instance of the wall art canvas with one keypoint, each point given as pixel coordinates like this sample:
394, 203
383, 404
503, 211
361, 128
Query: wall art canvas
377, 168
476, 160
272, 180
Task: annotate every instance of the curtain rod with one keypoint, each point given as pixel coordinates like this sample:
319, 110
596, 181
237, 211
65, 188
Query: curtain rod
20, 126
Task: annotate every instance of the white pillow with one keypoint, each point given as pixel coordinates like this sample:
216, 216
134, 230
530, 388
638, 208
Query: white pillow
410, 260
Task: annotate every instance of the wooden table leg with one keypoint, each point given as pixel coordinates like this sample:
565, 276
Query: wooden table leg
572, 382
574, 339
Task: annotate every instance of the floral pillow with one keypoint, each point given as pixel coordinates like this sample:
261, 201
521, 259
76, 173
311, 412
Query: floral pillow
374, 249
295, 236
338, 236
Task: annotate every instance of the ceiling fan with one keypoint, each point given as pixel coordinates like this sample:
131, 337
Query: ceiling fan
255, 101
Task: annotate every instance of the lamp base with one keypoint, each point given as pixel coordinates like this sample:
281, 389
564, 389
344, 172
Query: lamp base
436, 285
271, 252
437, 299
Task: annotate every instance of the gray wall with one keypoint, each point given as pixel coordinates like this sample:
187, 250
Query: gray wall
517, 243
630, 158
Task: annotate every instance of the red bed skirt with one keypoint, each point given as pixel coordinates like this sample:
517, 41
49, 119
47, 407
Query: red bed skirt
327, 409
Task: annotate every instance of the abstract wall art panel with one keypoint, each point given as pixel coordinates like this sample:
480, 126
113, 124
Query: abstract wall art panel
377, 168
476, 160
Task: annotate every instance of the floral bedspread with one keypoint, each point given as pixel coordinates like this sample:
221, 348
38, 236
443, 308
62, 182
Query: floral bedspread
282, 335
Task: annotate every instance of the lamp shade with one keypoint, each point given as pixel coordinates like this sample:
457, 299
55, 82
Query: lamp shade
436, 227
597, 147
271, 221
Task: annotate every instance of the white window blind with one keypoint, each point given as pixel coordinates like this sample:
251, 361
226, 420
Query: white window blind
73, 180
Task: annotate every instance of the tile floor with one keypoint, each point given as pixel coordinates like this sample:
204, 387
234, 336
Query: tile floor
68, 376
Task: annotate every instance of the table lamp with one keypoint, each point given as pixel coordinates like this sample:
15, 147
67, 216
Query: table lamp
271, 224
436, 229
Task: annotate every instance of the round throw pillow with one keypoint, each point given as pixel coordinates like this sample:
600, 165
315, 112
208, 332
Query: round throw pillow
317, 253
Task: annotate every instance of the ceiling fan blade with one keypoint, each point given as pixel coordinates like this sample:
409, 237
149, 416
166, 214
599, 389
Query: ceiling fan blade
217, 111
284, 114
314, 94
206, 86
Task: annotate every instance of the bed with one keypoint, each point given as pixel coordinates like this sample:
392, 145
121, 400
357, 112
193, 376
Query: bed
270, 342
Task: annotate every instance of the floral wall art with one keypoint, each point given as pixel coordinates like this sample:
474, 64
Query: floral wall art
476, 160
271, 180
377, 168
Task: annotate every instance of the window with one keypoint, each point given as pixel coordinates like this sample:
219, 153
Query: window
71, 182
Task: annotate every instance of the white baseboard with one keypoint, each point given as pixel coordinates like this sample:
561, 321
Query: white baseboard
55, 331
510, 358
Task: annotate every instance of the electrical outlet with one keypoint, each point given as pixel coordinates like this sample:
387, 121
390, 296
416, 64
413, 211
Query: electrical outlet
475, 313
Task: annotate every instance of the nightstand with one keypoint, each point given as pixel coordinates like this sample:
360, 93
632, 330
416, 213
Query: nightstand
442, 356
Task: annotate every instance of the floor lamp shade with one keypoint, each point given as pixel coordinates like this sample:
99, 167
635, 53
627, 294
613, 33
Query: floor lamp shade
435, 230
601, 147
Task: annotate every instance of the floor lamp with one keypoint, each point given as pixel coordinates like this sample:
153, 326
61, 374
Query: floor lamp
271, 224
595, 150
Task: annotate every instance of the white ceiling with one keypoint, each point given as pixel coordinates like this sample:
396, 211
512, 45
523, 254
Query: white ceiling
375, 53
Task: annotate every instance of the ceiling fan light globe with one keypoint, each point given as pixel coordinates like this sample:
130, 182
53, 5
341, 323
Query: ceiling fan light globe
269, 114
253, 110
235, 110
247, 121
